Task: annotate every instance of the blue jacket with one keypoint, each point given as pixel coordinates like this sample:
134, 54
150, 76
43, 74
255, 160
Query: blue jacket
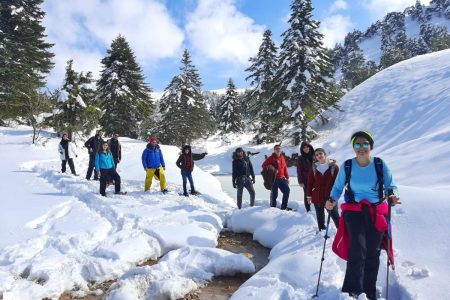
104, 161
363, 182
152, 158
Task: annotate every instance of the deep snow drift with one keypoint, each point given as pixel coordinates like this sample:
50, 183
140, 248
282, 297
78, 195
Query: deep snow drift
58, 234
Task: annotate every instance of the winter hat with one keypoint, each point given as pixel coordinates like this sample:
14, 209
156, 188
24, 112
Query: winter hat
239, 150
153, 140
364, 134
320, 150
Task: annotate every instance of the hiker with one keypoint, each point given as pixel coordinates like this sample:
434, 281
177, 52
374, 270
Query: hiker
104, 166
92, 144
281, 179
363, 223
116, 149
243, 176
153, 163
67, 153
186, 164
321, 178
304, 165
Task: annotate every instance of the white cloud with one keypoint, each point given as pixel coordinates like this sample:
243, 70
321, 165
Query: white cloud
379, 8
217, 30
83, 29
338, 5
335, 28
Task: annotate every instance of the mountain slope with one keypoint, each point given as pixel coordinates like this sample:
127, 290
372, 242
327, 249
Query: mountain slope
407, 109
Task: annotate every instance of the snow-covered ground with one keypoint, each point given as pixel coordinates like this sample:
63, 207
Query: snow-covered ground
58, 234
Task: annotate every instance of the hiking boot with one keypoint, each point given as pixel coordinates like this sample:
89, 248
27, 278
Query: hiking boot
186, 194
195, 193
164, 191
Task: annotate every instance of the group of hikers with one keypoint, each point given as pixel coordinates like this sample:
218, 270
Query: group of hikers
105, 155
362, 225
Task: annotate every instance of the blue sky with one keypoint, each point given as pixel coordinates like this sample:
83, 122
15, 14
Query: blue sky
220, 34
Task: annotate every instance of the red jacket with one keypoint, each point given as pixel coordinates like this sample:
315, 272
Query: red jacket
319, 185
341, 243
279, 163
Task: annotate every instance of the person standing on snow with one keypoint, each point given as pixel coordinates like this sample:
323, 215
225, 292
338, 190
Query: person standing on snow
363, 224
186, 163
304, 165
116, 149
104, 166
242, 171
93, 144
66, 153
321, 178
153, 163
282, 178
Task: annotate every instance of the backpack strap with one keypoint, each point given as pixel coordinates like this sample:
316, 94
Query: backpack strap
380, 180
349, 196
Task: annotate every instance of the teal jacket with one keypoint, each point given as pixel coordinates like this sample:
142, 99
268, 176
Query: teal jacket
104, 161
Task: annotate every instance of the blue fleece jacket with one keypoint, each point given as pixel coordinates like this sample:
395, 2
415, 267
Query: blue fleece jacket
363, 181
104, 161
152, 158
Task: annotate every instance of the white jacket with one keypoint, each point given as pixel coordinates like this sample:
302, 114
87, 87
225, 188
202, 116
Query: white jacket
71, 149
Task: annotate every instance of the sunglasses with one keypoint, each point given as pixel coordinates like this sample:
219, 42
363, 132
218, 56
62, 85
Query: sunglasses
276, 149
365, 145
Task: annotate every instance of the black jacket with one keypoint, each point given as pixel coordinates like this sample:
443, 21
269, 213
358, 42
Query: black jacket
93, 143
242, 167
115, 148
181, 162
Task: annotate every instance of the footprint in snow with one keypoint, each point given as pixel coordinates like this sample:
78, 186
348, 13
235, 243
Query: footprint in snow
415, 272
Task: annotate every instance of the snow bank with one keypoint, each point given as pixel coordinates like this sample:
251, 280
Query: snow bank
178, 273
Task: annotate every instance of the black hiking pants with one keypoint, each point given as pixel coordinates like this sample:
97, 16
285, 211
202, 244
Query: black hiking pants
364, 254
241, 182
91, 167
320, 213
305, 200
71, 166
283, 185
116, 161
107, 175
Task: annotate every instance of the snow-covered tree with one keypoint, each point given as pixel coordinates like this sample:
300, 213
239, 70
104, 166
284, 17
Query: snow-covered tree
394, 46
230, 110
303, 87
262, 71
183, 113
76, 111
126, 97
25, 58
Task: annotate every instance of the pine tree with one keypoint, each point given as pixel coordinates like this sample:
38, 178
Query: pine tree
262, 78
126, 97
25, 58
230, 112
303, 87
77, 110
356, 69
394, 44
184, 116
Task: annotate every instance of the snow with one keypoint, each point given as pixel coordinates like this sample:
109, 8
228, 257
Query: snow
178, 273
371, 48
58, 234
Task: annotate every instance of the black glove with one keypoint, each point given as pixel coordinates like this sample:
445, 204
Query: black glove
234, 185
253, 180
76, 155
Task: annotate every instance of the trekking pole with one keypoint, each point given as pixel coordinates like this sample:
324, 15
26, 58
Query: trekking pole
390, 192
323, 254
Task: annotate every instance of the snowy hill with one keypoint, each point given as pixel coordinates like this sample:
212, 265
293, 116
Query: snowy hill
407, 108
